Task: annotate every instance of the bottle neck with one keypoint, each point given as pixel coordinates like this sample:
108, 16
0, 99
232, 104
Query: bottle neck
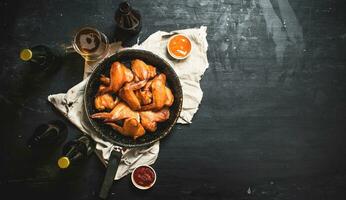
65, 161
73, 152
39, 55
76, 150
88, 144
124, 8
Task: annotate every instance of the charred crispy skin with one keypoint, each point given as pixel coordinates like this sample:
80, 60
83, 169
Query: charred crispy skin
119, 112
142, 71
131, 128
105, 101
128, 95
119, 75
149, 119
161, 96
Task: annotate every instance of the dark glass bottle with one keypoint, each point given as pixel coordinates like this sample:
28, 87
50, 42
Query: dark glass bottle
75, 151
128, 19
48, 134
41, 57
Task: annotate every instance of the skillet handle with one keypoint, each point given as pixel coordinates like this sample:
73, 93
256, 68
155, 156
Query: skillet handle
113, 162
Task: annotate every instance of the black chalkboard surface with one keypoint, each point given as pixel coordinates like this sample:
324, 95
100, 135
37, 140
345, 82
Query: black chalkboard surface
271, 124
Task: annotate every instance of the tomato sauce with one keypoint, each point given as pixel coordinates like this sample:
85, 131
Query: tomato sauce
179, 45
144, 176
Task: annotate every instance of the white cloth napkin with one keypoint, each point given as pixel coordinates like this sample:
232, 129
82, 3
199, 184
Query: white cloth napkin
189, 71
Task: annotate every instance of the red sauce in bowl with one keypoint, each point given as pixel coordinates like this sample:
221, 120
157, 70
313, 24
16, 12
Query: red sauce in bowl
144, 176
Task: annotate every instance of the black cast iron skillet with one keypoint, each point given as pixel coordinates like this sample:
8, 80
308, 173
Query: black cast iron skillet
109, 134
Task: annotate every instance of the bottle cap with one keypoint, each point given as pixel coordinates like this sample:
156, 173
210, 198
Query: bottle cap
26, 54
63, 162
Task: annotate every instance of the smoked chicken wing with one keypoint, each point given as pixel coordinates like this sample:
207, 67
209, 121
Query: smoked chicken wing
161, 94
127, 94
119, 112
149, 119
147, 85
131, 128
141, 70
170, 98
145, 97
119, 75
105, 101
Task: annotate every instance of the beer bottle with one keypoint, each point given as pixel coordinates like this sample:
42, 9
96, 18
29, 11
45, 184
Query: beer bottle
47, 134
76, 151
127, 19
41, 56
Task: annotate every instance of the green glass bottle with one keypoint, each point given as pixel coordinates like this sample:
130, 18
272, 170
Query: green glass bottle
49, 134
75, 151
41, 56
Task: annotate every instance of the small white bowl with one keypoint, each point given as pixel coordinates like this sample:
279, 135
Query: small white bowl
174, 56
140, 186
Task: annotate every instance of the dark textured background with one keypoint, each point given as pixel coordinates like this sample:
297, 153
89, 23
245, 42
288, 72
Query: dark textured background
271, 124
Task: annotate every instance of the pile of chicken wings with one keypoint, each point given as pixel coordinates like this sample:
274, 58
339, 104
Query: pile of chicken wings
132, 101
